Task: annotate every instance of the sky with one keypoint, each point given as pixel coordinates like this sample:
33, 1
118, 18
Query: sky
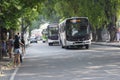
38, 31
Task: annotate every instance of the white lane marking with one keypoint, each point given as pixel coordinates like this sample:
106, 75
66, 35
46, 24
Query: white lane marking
14, 73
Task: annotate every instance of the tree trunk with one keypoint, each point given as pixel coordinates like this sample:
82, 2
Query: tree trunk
24, 26
94, 36
112, 35
112, 30
98, 32
0, 44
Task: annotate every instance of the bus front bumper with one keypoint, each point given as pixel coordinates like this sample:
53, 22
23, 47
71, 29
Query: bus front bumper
73, 43
53, 41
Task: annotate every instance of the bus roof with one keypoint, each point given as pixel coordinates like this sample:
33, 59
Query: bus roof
72, 18
76, 18
53, 25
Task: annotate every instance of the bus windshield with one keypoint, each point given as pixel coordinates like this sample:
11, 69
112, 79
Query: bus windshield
76, 29
53, 31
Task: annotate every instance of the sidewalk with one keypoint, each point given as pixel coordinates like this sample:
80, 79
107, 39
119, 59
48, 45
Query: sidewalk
5, 67
115, 44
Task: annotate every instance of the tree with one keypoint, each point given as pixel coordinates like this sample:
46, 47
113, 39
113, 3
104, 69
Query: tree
99, 12
12, 11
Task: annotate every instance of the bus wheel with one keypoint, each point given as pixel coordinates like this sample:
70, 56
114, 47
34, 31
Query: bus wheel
67, 47
62, 46
80, 46
50, 44
87, 46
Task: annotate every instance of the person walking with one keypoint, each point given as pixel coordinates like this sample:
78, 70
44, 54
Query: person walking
17, 44
118, 34
23, 47
4, 48
10, 47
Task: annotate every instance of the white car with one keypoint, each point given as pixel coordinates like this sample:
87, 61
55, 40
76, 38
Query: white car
33, 40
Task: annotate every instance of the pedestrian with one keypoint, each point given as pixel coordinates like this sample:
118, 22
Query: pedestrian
18, 34
17, 44
10, 46
4, 48
23, 47
118, 34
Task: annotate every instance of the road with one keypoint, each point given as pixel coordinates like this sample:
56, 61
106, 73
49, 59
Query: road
43, 62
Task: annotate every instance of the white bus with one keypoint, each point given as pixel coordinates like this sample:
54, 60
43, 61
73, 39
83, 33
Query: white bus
75, 32
53, 34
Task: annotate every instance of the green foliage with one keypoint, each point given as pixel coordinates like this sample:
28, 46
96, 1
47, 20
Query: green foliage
7, 16
47, 10
99, 12
12, 10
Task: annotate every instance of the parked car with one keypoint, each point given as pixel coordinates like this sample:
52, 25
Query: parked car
38, 38
33, 40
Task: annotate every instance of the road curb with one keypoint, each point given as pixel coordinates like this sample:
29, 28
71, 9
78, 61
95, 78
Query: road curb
106, 44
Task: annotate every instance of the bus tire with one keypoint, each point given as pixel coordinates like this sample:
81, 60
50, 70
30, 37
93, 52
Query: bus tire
50, 44
66, 47
62, 44
87, 46
80, 46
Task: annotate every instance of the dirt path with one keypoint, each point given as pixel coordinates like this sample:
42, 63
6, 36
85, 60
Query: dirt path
5, 64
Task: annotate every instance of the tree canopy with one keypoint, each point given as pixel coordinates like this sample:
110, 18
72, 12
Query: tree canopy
99, 12
12, 10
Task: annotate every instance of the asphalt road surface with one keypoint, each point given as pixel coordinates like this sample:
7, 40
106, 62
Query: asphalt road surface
43, 62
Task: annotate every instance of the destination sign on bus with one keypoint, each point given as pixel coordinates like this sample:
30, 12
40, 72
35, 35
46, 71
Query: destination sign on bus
74, 20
